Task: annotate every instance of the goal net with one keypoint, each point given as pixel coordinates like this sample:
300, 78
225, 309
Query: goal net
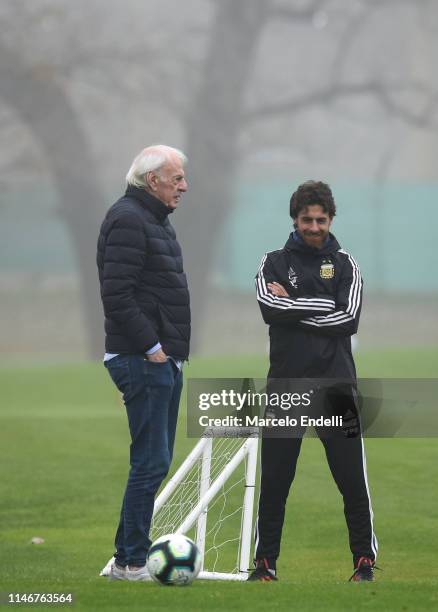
210, 498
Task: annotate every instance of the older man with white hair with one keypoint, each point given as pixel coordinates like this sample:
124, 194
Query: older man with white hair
147, 326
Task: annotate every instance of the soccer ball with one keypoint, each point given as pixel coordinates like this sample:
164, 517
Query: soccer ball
173, 560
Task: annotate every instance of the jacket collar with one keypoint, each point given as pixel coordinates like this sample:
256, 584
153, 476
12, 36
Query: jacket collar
296, 243
157, 207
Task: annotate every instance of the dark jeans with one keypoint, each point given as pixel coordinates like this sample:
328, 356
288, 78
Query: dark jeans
151, 392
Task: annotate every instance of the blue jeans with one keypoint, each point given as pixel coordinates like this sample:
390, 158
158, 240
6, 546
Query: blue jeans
151, 393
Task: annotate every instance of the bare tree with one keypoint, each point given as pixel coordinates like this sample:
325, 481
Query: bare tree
50, 118
213, 128
214, 113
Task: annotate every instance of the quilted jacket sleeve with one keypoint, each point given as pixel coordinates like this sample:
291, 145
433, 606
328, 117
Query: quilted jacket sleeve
123, 262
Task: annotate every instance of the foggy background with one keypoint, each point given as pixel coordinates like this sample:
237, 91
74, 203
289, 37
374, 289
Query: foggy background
260, 95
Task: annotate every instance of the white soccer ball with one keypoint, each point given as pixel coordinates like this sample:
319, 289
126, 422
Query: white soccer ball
173, 560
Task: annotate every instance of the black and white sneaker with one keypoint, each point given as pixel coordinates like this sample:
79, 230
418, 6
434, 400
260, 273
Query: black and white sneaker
364, 570
262, 572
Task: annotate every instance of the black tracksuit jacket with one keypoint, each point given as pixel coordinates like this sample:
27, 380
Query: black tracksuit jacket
310, 330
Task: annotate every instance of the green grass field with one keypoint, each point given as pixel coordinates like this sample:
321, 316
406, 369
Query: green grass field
64, 460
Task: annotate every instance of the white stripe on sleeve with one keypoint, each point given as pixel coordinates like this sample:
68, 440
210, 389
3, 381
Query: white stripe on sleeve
339, 317
286, 303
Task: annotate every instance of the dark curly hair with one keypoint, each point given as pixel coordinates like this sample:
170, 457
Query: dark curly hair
312, 192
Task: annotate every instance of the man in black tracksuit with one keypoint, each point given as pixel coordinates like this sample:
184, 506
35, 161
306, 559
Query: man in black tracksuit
310, 295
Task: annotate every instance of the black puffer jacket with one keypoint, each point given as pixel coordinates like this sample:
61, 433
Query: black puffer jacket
142, 282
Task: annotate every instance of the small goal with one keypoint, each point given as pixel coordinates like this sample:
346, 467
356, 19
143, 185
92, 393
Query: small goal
210, 498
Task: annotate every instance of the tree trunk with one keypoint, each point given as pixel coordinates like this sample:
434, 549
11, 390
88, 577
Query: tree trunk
213, 142
52, 121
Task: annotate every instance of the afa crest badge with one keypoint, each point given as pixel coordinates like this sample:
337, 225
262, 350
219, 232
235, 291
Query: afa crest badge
327, 269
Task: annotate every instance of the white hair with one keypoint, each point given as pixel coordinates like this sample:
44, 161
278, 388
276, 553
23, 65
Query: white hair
151, 158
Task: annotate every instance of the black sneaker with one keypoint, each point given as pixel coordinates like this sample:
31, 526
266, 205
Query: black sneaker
364, 570
262, 572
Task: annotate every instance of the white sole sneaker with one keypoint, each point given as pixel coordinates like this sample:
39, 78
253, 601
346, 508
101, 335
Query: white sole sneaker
117, 573
138, 574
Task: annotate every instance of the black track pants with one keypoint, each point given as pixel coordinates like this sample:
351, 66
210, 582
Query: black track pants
346, 458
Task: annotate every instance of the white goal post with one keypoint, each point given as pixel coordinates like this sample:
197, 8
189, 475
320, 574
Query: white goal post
197, 485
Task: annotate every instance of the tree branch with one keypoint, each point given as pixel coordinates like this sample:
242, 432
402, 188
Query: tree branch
421, 120
332, 93
287, 13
